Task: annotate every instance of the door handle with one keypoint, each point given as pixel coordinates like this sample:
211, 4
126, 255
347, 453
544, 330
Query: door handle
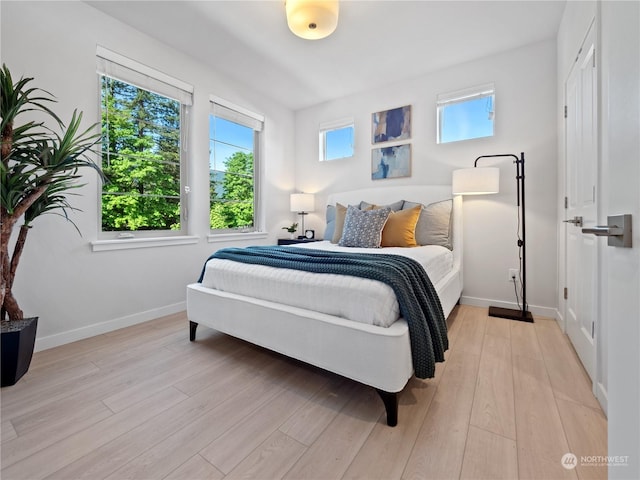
577, 221
617, 231
603, 231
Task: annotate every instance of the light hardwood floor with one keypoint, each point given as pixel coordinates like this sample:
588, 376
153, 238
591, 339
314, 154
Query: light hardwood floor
144, 403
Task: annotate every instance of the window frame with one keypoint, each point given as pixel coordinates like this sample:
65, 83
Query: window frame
234, 113
444, 100
124, 69
331, 126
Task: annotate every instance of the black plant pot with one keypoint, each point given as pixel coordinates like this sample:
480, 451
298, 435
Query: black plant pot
18, 340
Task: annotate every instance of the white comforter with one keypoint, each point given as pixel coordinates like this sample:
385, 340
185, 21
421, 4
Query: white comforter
357, 299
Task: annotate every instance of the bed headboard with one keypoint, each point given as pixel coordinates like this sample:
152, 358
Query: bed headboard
424, 194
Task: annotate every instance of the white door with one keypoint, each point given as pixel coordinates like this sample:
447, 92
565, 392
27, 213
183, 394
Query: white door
620, 64
581, 206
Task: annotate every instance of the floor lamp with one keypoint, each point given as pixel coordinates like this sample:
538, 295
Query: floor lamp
485, 180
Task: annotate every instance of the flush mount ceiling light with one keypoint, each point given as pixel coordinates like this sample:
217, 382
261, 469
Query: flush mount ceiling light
312, 19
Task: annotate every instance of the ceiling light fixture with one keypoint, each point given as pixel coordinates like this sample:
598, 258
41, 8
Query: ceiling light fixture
312, 19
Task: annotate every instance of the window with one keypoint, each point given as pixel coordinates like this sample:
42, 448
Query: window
336, 140
142, 119
234, 135
466, 114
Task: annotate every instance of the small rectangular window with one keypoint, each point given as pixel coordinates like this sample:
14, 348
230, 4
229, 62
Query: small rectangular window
466, 114
234, 135
142, 116
336, 139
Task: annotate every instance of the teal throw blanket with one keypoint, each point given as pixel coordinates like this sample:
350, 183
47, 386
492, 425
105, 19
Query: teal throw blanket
417, 298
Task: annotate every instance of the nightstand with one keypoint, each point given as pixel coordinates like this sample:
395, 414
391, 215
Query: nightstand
293, 241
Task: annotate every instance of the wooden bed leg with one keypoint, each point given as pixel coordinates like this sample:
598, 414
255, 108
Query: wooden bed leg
391, 405
192, 330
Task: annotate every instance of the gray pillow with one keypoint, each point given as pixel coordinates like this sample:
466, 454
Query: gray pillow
331, 222
363, 228
434, 224
395, 206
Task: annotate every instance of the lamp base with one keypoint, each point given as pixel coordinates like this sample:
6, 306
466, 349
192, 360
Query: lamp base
511, 314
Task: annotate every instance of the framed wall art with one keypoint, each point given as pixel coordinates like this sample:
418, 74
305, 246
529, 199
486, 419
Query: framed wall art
391, 125
391, 162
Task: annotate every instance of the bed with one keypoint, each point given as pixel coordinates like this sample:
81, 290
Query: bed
375, 355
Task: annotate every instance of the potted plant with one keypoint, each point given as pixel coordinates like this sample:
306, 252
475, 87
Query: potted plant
292, 229
40, 161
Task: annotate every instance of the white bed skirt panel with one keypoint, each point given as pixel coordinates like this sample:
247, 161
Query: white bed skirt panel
376, 356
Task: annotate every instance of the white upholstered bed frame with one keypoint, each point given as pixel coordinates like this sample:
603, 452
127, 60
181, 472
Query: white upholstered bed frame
372, 355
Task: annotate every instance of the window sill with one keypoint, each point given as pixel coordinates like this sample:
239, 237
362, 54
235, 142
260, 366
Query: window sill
151, 242
230, 237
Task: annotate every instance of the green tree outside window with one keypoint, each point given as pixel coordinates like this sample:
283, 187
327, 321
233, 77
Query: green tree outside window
140, 158
231, 176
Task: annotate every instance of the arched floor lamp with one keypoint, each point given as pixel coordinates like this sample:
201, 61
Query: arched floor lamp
486, 180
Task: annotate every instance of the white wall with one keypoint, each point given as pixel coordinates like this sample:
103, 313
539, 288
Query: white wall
77, 292
526, 111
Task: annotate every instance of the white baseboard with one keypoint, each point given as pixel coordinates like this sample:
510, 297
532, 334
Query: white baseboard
58, 339
603, 397
535, 309
561, 321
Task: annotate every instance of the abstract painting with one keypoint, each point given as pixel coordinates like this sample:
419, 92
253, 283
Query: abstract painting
391, 125
391, 162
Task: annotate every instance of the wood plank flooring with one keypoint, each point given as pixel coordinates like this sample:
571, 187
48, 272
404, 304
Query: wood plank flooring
144, 403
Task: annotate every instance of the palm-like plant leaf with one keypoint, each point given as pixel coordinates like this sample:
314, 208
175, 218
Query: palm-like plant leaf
54, 200
17, 99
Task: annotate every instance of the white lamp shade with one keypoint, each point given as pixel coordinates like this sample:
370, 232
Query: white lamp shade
476, 181
312, 19
302, 202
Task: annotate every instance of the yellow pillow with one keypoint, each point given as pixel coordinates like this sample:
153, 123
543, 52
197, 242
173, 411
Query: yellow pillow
341, 212
400, 229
